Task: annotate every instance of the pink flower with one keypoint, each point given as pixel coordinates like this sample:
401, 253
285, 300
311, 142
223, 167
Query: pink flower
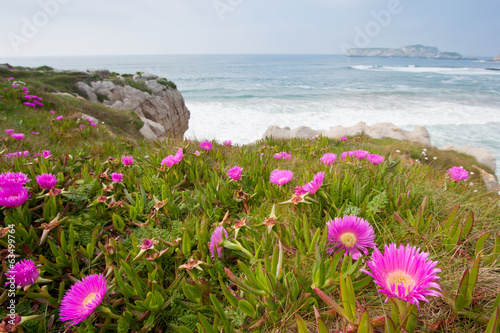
234, 173
375, 159
116, 177
17, 136
29, 104
46, 153
14, 86
147, 244
344, 138
59, 118
83, 298
315, 184
345, 154
13, 195
170, 160
52, 112
179, 155
404, 273
81, 127
46, 181
23, 273
206, 145
328, 158
215, 241
360, 154
458, 174
11, 79
227, 142
299, 190
35, 133
93, 124
352, 234
197, 153
283, 155
9, 131
280, 177
127, 160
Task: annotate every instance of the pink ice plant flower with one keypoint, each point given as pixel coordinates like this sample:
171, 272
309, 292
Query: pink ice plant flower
328, 158
47, 181
344, 138
13, 178
458, 173
283, 155
360, 154
9, 131
227, 143
345, 154
312, 186
170, 160
13, 196
375, 159
206, 145
83, 298
215, 241
11, 79
280, 177
46, 153
35, 133
404, 273
24, 273
352, 234
235, 173
17, 136
127, 160
116, 177
59, 118
52, 112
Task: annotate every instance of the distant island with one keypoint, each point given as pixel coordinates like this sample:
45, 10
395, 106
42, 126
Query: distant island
411, 51
496, 59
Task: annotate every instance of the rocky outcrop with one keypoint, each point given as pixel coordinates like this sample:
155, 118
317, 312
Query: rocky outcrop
496, 59
377, 131
161, 107
412, 51
482, 155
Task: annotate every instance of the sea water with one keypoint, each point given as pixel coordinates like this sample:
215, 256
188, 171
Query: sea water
236, 97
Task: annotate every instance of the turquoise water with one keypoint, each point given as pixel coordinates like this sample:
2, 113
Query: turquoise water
237, 97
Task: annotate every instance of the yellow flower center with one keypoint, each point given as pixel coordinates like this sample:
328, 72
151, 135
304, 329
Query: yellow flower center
348, 239
89, 299
282, 180
398, 277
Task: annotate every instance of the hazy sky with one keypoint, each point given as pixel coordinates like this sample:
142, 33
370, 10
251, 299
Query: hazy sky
90, 27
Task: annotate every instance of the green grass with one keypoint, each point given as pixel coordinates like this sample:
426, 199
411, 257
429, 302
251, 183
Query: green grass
179, 207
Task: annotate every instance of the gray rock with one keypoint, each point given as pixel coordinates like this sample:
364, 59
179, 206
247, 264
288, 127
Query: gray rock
482, 155
149, 76
137, 77
103, 73
86, 116
287, 133
496, 59
63, 94
88, 91
151, 130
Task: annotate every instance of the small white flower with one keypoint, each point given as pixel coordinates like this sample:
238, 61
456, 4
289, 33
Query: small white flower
471, 173
146, 156
397, 151
471, 184
426, 158
434, 158
475, 191
424, 149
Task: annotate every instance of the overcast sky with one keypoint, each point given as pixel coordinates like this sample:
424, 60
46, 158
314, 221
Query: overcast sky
108, 27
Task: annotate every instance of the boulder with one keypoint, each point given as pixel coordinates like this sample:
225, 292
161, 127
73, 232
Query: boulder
151, 130
287, 133
482, 155
102, 73
149, 76
88, 91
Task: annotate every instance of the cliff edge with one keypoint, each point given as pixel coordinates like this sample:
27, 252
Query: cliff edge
156, 100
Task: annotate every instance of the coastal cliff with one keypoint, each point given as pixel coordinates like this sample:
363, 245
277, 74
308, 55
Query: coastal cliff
412, 51
157, 101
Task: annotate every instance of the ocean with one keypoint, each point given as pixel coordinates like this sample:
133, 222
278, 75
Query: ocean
236, 97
